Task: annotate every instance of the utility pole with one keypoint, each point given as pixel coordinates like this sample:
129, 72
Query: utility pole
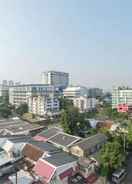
124, 142
16, 177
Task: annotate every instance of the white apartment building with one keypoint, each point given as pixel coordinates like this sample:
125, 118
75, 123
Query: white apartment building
121, 95
20, 94
4, 91
43, 105
55, 78
72, 92
85, 104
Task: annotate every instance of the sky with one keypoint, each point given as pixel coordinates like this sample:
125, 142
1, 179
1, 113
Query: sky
92, 40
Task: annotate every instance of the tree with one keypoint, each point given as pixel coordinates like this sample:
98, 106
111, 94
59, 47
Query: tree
112, 156
65, 103
23, 108
72, 121
5, 111
129, 135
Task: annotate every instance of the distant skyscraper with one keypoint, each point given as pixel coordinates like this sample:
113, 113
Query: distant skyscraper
55, 78
4, 83
10, 83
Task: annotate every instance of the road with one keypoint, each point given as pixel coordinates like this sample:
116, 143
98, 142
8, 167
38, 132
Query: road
129, 170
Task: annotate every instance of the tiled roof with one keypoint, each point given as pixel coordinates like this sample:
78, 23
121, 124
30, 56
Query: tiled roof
44, 170
32, 152
64, 140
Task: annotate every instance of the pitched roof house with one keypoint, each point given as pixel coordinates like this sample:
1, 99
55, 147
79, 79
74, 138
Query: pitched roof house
57, 167
88, 146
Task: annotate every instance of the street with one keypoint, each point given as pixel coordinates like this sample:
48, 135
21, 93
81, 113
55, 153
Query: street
129, 170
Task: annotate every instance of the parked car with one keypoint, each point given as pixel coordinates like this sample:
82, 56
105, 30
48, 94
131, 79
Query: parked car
119, 176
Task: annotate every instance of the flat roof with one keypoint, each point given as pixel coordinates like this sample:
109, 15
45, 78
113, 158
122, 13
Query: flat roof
50, 132
63, 139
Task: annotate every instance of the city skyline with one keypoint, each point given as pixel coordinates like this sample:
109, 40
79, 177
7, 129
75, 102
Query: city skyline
89, 40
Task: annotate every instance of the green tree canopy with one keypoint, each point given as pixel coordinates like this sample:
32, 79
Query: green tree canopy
65, 103
23, 108
111, 156
72, 121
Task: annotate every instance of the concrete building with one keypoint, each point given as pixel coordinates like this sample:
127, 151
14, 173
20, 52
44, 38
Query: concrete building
4, 91
73, 92
121, 96
44, 105
55, 78
85, 104
20, 94
95, 92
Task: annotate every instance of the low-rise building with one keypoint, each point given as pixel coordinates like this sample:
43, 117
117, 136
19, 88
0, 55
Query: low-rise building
56, 168
88, 146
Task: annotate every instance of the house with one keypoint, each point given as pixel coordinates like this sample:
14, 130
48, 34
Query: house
88, 146
47, 134
18, 127
105, 124
63, 140
34, 150
56, 168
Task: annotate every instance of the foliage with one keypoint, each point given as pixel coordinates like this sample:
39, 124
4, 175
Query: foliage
72, 121
129, 135
107, 112
65, 103
23, 108
111, 156
5, 111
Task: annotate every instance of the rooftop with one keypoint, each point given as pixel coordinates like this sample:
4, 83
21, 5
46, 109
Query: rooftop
64, 140
61, 158
44, 146
14, 126
49, 133
92, 141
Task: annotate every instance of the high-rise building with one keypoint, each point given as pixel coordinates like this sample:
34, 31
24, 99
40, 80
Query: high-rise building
121, 96
21, 93
4, 83
95, 92
10, 83
55, 78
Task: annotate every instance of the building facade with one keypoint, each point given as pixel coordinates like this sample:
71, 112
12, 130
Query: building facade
95, 92
85, 104
55, 78
4, 91
121, 97
20, 94
73, 92
44, 105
